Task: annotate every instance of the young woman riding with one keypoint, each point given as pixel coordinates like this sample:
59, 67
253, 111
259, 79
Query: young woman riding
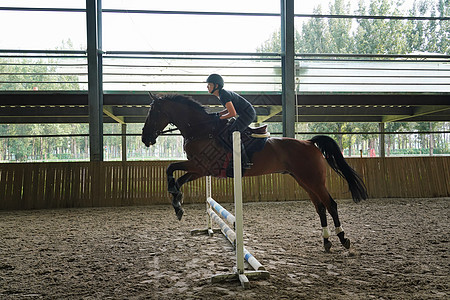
236, 106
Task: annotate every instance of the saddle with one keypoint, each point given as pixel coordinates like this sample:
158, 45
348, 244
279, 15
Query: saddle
253, 140
259, 132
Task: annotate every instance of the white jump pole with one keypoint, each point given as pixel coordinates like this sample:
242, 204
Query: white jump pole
235, 237
208, 195
238, 211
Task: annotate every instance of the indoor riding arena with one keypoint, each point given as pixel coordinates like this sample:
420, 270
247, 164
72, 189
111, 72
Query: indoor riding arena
101, 198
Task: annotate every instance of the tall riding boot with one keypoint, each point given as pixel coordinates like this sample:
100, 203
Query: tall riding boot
245, 161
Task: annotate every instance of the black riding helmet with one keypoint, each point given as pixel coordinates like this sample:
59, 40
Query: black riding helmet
215, 79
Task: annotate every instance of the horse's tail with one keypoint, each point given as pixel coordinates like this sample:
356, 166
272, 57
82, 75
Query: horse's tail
333, 155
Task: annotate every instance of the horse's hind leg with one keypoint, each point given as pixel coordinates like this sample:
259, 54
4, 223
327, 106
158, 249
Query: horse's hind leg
331, 206
323, 202
321, 210
332, 209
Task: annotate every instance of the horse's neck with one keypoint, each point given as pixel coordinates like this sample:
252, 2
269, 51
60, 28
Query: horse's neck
194, 125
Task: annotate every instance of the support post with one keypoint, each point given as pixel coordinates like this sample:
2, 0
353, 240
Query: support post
382, 140
288, 67
95, 90
124, 142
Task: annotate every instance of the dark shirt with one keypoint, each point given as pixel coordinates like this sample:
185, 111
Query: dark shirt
241, 105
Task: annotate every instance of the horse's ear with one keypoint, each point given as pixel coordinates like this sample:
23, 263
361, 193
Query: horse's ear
152, 97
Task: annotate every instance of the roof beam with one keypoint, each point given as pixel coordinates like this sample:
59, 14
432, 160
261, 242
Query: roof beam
108, 110
418, 111
274, 110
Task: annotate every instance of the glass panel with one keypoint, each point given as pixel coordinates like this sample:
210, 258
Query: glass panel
308, 7
376, 76
43, 30
159, 32
264, 6
45, 4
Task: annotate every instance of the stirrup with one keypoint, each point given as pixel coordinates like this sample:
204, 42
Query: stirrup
259, 132
247, 165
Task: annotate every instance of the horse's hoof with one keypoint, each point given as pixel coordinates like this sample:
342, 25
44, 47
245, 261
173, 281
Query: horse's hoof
180, 213
327, 245
346, 244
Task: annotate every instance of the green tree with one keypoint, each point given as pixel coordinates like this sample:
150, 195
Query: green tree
379, 36
339, 30
273, 44
314, 35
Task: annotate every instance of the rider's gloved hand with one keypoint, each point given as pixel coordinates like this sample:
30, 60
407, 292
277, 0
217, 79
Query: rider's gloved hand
231, 121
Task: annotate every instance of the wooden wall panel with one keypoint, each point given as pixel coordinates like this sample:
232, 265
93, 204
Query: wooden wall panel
86, 184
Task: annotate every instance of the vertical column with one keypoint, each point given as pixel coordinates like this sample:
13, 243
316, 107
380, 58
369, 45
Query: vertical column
237, 180
431, 140
124, 142
95, 99
288, 67
382, 140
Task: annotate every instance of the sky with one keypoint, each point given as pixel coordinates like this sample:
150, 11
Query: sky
148, 32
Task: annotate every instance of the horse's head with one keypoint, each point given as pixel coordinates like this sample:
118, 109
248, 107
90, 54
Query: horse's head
157, 120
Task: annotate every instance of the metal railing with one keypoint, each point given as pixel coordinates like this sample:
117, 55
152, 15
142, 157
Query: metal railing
74, 147
251, 72
43, 70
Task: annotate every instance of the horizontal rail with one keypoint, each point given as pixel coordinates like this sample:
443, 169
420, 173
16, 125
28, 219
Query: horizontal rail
177, 134
49, 73
132, 54
218, 13
190, 66
193, 53
45, 82
337, 16
43, 9
226, 230
41, 51
372, 55
231, 236
222, 211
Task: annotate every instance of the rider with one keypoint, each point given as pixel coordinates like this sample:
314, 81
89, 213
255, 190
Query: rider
235, 106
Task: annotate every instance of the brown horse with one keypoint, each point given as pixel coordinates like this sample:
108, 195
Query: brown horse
305, 161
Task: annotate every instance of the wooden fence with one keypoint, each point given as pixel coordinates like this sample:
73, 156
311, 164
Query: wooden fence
61, 185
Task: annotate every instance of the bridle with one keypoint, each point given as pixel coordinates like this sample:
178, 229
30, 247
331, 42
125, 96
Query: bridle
162, 132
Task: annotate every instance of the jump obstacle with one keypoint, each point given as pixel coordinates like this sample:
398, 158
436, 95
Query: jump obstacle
218, 214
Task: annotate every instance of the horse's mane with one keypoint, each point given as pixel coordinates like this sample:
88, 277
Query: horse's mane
186, 100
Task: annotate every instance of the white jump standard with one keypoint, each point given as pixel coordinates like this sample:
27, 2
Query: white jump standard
214, 209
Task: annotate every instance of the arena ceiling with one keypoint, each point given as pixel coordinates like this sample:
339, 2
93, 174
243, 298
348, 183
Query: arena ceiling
132, 107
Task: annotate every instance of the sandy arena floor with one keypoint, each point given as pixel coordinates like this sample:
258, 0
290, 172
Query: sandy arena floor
400, 250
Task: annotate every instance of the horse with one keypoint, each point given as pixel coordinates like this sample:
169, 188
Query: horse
305, 160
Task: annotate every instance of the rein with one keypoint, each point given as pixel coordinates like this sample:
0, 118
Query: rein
167, 131
188, 125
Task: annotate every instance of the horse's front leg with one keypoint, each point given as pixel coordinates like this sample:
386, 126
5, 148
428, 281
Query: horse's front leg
174, 186
174, 190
